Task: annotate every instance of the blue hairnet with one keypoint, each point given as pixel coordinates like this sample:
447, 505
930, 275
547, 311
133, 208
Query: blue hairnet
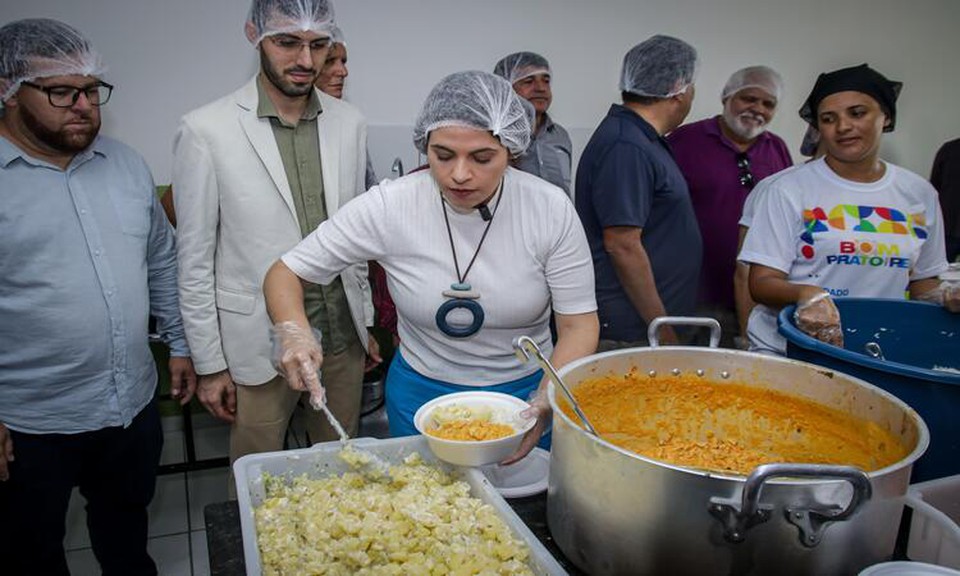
479, 100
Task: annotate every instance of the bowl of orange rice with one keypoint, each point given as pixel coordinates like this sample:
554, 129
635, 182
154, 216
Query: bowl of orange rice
473, 428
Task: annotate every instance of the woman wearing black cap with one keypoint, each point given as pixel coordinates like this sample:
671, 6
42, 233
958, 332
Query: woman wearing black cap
847, 224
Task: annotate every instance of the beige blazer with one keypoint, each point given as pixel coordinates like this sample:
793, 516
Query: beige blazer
236, 217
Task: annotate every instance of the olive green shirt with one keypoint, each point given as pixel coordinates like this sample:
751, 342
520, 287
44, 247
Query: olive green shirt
299, 145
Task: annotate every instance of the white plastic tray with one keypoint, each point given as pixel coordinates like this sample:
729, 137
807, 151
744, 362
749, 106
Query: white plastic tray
322, 460
934, 529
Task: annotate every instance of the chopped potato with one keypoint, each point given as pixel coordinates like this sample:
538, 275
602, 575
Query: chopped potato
455, 412
415, 520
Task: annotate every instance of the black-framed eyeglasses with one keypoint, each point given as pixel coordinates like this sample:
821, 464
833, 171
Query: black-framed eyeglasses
292, 44
746, 176
67, 96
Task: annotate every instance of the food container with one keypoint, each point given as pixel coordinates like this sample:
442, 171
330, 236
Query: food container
323, 460
935, 522
476, 452
914, 337
908, 569
615, 512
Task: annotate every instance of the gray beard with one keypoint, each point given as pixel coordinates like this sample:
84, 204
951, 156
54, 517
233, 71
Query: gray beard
735, 126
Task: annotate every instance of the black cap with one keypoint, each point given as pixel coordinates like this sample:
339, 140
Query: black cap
860, 78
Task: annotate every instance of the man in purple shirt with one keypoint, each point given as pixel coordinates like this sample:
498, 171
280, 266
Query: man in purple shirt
722, 159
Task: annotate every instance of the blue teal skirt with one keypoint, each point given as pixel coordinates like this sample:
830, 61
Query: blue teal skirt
407, 390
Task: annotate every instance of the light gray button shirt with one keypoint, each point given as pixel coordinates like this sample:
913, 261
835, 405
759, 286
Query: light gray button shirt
86, 255
550, 155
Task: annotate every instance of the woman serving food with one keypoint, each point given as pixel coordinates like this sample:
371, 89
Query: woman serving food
475, 252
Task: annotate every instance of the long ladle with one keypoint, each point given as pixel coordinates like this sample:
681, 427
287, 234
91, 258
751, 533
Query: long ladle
526, 348
381, 466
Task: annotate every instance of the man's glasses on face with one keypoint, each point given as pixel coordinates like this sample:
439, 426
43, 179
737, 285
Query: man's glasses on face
293, 45
746, 177
67, 96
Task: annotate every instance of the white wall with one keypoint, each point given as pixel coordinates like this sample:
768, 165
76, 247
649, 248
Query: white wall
169, 56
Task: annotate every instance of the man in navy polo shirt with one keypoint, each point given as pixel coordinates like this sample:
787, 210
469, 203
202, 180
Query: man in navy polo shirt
633, 199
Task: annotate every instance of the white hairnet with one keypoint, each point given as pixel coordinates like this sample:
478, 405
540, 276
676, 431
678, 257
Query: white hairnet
336, 35
270, 17
479, 100
531, 111
762, 77
659, 67
41, 48
520, 65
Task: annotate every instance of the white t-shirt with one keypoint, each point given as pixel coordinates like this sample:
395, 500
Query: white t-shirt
850, 238
535, 254
750, 204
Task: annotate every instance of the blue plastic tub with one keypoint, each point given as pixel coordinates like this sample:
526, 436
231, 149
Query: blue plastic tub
914, 337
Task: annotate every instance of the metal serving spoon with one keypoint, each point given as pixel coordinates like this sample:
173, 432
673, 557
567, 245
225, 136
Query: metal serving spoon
526, 348
368, 459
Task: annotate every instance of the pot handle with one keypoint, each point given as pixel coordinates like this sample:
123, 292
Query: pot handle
653, 330
811, 522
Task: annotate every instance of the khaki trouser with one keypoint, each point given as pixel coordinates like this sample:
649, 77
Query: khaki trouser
264, 411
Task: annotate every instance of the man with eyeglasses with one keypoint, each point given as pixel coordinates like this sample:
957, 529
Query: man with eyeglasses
86, 256
722, 158
253, 173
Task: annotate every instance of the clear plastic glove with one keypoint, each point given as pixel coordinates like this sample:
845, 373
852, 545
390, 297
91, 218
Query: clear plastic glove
819, 317
297, 355
947, 294
540, 411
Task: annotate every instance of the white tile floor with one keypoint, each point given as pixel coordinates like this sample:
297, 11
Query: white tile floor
178, 541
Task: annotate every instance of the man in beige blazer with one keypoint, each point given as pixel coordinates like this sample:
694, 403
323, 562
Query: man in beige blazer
253, 173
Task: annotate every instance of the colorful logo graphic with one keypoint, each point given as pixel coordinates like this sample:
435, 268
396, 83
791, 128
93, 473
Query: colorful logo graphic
867, 220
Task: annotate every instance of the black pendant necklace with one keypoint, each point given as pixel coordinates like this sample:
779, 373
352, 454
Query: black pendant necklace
461, 294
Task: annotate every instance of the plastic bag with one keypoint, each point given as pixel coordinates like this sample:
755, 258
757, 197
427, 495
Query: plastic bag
947, 294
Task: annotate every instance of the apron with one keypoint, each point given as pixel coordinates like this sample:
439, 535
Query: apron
407, 390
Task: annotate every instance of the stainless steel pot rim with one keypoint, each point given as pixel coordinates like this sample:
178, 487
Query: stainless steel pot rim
923, 433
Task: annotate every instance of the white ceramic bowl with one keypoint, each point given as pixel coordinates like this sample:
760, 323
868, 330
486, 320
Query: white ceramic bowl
476, 452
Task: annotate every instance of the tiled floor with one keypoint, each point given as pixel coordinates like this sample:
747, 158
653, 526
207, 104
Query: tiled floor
178, 542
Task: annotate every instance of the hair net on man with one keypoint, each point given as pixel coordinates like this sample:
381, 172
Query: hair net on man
520, 65
478, 100
41, 48
762, 77
659, 67
270, 17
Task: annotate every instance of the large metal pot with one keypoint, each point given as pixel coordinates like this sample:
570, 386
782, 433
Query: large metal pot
615, 512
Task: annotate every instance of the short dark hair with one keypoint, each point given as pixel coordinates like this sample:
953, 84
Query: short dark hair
630, 97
